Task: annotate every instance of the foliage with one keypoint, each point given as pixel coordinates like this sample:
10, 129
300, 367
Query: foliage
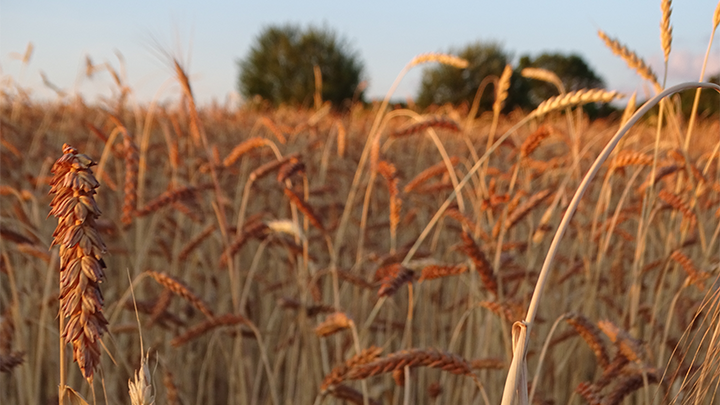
709, 103
443, 84
279, 66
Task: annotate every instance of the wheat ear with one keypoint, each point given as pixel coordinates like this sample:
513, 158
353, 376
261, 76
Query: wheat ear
437, 271
170, 389
433, 122
501, 91
131, 175
82, 268
244, 147
338, 374
632, 59
482, 265
630, 384
140, 390
575, 98
533, 140
332, 324
591, 334
522, 210
391, 284
695, 276
545, 76
665, 28
289, 169
628, 345
305, 208
678, 204
11, 360
182, 290
443, 58
206, 326
388, 171
412, 358
432, 171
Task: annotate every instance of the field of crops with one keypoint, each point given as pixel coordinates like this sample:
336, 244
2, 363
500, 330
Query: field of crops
371, 255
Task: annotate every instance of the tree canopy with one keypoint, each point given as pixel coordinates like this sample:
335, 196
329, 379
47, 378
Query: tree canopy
445, 84
709, 102
280, 66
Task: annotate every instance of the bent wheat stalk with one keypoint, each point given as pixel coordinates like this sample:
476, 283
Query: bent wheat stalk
571, 99
419, 59
517, 372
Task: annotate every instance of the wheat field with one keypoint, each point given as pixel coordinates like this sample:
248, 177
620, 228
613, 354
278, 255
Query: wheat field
253, 255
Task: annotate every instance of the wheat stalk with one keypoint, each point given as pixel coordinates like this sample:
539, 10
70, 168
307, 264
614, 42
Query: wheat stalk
575, 98
140, 390
388, 171
631, 58
391, 283
82, 268
665, 28
432, 171
289, 169
590, 393
695, 276
345, 393
339, 373
305, 208
533, 140
195, 242
181, 290
11, 360
254, 229
170, 389
269, 167
591, 334
482, 265
501, 90
678, 204
443, 58
629, 109
411, 358
545, 76
432, 122
170, 197
631, 158
437, 271
244, 147
332, 324
131, 175
522, 210
629, 384
628, 345
206, 326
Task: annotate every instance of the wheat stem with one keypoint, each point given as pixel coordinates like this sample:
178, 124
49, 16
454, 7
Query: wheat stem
520, 345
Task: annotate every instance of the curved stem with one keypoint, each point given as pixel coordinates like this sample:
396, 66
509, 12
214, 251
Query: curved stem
696, 101
520, 350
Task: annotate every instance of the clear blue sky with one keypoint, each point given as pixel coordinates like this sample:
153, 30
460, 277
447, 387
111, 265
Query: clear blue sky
387, 34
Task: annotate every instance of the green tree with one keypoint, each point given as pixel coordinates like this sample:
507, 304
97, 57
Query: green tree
572, 70
709, 103
445, 84
279, 66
